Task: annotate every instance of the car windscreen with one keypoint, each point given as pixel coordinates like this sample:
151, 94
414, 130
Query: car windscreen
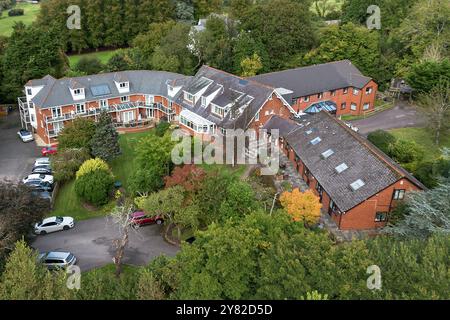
59, 219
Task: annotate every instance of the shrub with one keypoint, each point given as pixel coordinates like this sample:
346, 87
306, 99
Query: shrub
15, 12
67, 162
77, 134
405, 151
94, 181
161, 128
89, 65
105, 141
382, 139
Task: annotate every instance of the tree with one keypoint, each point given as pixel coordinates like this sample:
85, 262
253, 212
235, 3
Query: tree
436, 106
90, 65
149, 288
105, 141
204, 7
26, 279
429, 75
428, 213
76, 134
67, 162
382, 139
244, 46
406, 151
94, 182
239, 201
251, 65
30, 54
122, 218
188, 176
19, 210
301, 206
358, 44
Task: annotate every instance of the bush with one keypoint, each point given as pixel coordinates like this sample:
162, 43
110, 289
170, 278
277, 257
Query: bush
405, 151
89, 65
382, 139
15, 12
77, 134
161, 128
94, 182
67, 162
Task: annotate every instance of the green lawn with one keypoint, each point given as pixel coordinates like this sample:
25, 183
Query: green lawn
67, 202
103, 56
424, 138
30, 13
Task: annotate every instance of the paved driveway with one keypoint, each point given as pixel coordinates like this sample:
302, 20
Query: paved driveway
16, 158
91, 242
401, 116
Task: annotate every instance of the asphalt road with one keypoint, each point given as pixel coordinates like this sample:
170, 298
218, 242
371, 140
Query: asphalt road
401, 116
91, 241
16, 158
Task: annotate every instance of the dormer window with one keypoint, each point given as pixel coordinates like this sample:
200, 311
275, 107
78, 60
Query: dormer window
218, 110
123, 85
77, 91
188, 97
29, 92
203, 102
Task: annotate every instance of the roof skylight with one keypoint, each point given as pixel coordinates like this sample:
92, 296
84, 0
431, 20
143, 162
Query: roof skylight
327, 153
342, 167
315, 141
357, 184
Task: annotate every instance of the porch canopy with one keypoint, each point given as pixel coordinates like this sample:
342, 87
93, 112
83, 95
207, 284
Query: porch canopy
196, 122
329, 106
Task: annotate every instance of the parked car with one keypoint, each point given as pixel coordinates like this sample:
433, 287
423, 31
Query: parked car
140, 218
55, 260
42, 162
53, 224
25, 135
38, 176
42, 170
42, 194
351, 126
38, 184
46, 151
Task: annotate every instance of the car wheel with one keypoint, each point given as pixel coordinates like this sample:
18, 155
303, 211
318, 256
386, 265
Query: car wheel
65, 228
43, 232
159, 221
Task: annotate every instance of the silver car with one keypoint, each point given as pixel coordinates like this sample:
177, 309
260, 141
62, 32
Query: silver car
55, 260
54, 224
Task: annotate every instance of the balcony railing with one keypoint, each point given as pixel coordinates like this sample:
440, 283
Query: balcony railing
113, 108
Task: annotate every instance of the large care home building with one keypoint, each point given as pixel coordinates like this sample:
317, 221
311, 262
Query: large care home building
357, 183
338, 87
209, 102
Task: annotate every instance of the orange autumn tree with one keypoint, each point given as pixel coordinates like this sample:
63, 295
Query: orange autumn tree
302, 206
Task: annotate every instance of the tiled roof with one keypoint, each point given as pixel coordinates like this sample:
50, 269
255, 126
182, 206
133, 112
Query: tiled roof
334, 144
315, 79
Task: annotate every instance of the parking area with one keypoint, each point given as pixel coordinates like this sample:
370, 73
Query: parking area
401, 116
91, 241
16, 158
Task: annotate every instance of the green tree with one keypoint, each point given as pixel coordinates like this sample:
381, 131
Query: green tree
67, 162
429, 75
94, 183
26, 279
76, 134
382, 139
89, 65
406, 151
251, 65
105, 141
428, 213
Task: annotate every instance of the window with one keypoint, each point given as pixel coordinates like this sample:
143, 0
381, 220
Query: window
333, 93
32, 117
353, 106
257, 116
203, 102
29, 92
319, 188
343, 105
127, 116
189, 97
342, 167
357, 184
327, 153
399, 194
355, 91
218, 110
294, 100
124, 99
80, 108
77, 91
103, 103
309, 132
381, 216
320, 95
123, 85
149, 99
345, 90
366, 106
369, 90
56, 112
306, 99
315, 141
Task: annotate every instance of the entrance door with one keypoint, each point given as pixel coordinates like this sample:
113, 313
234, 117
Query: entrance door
127, 116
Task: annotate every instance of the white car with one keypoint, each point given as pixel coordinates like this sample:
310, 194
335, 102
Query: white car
37, 176
25, 135
53, 224
42, 162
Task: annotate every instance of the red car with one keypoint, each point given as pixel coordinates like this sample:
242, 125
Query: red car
140, 218
46, 151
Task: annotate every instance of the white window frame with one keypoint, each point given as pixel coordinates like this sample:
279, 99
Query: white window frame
125, 99
103, 103
369, 90
355, 91
57, 111
306, 99
366, 106
203, 101
123, 85
353, 106
217, 110
257, 116
80, 106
